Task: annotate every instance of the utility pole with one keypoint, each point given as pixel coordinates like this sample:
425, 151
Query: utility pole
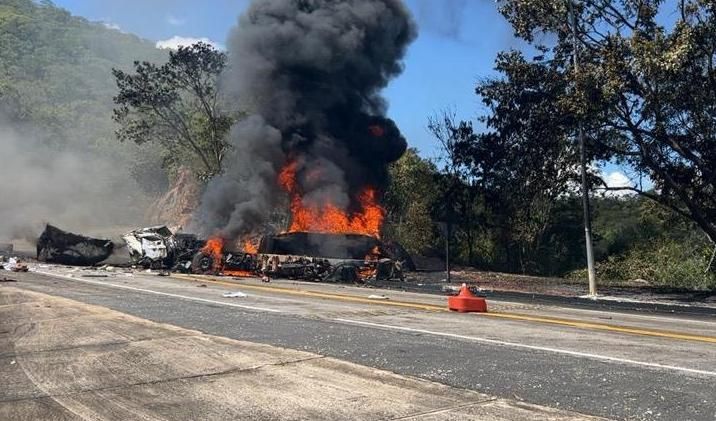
447, 252
583, 158
445, 229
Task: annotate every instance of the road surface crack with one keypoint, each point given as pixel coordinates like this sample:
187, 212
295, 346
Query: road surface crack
157, 381
444, 409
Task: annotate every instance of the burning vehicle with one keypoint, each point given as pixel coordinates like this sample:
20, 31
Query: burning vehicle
322, 149
153, 246
317, 141
309, 256
158, 247
328, 257
214, 258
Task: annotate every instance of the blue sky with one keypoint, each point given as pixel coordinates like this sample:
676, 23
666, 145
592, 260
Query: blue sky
457, 44
456, 47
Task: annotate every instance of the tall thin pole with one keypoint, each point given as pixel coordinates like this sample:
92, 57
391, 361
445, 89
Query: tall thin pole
447, 252
583, 158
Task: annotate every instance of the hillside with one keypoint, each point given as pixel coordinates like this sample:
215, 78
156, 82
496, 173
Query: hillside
58, 149
55, 70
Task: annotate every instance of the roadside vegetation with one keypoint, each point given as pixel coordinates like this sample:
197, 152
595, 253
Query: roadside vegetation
645, 96
178, 106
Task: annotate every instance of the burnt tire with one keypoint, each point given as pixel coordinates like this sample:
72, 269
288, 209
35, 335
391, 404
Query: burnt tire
398, 253
202, 263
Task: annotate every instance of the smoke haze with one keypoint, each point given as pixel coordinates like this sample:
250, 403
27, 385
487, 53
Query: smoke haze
446, 18
310, 72
73, 189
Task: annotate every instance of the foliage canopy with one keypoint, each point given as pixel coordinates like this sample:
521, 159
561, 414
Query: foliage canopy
178, 105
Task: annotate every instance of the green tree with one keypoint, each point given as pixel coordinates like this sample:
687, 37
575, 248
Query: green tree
639, 239
458, 205
645, 92
514, 172
178, 105
409, 202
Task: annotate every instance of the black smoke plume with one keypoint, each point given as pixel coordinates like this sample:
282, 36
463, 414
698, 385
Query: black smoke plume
310, 72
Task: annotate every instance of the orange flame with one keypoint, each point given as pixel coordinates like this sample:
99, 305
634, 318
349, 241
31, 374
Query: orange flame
215, 248
367, 272
250, 247
327, 217
239, 273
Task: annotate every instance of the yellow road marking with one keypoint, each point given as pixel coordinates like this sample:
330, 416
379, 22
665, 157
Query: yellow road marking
602, 326
314, 294
432, 307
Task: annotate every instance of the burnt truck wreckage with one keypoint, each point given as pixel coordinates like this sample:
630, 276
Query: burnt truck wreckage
158, 247
58, 246
322, 149
297, 255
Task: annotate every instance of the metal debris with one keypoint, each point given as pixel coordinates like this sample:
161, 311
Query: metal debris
159, 248
16, 265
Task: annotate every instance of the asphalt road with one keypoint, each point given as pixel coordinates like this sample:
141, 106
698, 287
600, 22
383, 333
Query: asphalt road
64, 360
611, 387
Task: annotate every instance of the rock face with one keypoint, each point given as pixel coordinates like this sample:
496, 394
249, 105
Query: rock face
176, 206
58, 246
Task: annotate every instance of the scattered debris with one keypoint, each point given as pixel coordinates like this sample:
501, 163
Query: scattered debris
16, 265
455, 289
378, 297
237, 294
58, 246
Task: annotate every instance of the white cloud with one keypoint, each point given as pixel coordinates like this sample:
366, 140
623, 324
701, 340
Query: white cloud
617, 179
177, 41
175, 21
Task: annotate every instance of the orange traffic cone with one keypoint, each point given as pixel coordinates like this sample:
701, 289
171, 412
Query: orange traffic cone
466, 302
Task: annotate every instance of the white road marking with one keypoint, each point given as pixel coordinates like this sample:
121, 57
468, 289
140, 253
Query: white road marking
531, 347
149, 291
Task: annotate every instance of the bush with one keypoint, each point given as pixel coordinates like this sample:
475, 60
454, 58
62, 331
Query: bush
665, 263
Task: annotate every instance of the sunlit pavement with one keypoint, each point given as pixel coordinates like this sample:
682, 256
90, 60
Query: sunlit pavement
615, 365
